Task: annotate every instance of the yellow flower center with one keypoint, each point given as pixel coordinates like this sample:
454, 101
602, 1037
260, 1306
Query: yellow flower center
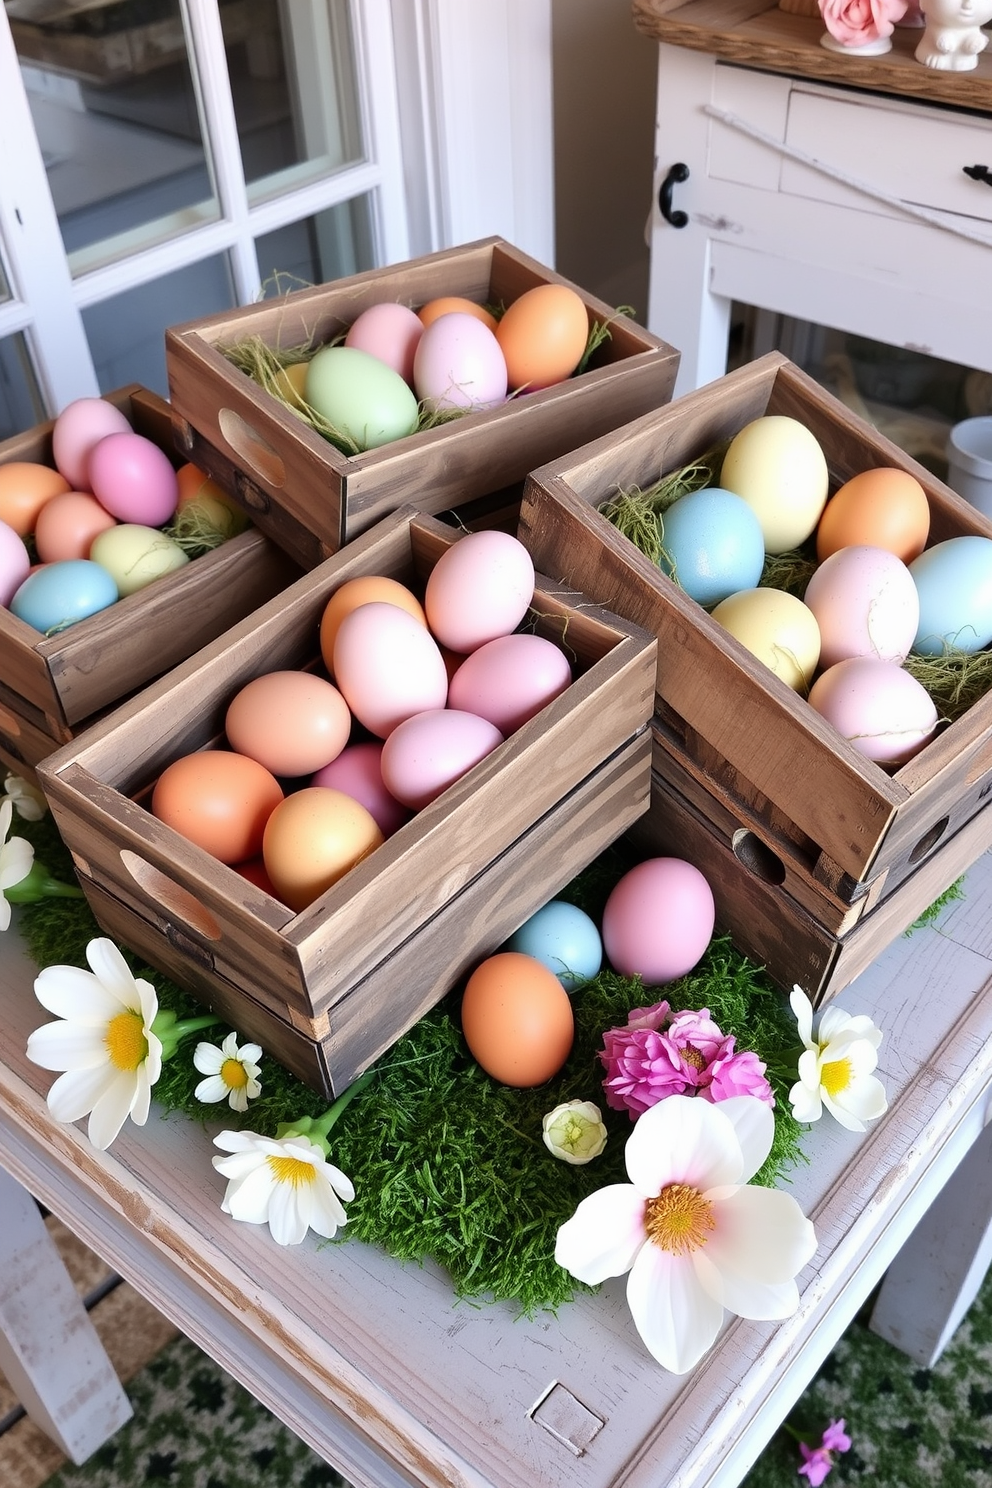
234, 1074
679, 1219
292, 1170
836, 1076
692, 1057
127, 1045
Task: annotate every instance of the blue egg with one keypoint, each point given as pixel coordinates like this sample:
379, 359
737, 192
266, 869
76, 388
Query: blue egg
61, 594
713, 545
564, 939
954, 582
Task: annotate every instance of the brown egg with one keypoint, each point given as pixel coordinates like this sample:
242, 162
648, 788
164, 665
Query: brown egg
312, 839
292, 722
517, 1019
67, 525
881, 508
219, 800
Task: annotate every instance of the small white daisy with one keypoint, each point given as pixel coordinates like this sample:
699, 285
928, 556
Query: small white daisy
835, 1067
28, 800
232, 1073
285, 1182
16, 860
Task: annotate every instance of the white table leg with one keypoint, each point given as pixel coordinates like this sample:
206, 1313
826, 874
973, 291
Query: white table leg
49, 1349
935, 1277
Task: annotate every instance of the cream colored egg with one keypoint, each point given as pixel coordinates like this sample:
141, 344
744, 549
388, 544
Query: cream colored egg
779, 468
778, 629
135, 555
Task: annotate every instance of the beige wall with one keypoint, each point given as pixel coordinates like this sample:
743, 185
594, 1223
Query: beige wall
604, 83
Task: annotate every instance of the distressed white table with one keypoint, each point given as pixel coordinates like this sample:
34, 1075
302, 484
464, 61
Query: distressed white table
379, 1368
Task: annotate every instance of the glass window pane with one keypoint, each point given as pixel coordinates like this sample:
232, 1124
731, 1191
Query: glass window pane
21, 403
326, 246
113, 104
292, 71
127, 333
4, 286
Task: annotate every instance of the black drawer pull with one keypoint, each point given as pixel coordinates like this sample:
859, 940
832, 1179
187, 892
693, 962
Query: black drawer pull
978, 173
676, 175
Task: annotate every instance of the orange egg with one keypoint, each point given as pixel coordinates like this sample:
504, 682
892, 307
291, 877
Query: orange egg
67, 525
517, 1019
291, 722
447, 304
25, 486
366, 589
219, 800
312, 839
543, 335
881, 508
221, 510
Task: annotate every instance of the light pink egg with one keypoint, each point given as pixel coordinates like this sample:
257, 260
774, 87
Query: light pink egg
480, 588
388, 666
15, 563
510, 679
866, 603
77, 430
878, 706
134, 479
430, 751
357, 773
459, 365
658, 920
390, 332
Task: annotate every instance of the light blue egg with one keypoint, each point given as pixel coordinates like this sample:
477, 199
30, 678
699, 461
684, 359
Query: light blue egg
713, 545
564, 939
954, 582
61, 594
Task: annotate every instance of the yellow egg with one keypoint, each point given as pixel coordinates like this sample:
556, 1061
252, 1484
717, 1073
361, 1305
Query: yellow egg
778, 629
778, 467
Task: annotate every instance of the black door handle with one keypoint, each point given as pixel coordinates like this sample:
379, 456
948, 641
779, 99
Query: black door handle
676, 175
978, 173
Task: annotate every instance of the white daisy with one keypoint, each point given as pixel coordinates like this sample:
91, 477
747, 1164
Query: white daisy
835, 1068
284, 1182
232, 1072
16, 860
29, 800
103, 1041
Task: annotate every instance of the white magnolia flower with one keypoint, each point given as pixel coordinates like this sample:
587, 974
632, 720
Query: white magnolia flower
692, 1231
574, 1131
16, 859
285, 1182
29, 800
103, 1041
835, 1069
232, 1072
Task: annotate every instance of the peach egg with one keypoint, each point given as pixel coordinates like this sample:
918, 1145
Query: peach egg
543, 336
363, 590
451, 304
517, 1019
67, 525
292, 722
218, 799
25, 487
881, 508
312, 839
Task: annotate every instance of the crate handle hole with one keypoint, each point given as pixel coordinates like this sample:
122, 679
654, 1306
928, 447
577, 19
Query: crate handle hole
170, 896
9, 724
929, 840
757, 858
251, 449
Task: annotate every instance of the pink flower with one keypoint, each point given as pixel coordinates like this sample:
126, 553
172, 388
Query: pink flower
857, 22
697, 1038
817, 1461
740, 1074
642, 1067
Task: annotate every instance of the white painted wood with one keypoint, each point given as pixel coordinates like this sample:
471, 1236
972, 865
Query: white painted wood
382, 1371
50, 1351
935, 1278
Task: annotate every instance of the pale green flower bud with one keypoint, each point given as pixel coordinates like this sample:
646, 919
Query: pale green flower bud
574, 1132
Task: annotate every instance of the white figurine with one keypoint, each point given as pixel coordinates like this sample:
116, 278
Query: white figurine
953, 36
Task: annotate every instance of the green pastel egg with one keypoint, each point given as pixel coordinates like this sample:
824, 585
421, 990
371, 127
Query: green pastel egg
363, 398
135, 555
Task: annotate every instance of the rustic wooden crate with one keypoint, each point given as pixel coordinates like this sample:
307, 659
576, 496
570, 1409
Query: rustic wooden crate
55, 685
843, 821
347, 976
313, 499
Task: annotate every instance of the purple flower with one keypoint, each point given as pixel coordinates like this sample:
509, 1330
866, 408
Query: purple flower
740, 1074
817, 1461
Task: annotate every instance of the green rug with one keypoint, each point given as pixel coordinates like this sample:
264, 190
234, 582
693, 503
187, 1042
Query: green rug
910, 1427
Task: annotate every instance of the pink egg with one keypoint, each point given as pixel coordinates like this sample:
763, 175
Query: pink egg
134, 479
388, 666
510, 679
879, 707
866, 603
15, 562
67, 525
480, 588
459, 365
77, 430
356, 772
430, 751
390, 332
658, 920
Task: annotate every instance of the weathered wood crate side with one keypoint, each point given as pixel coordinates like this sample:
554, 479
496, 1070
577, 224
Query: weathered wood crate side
71, 676
302, 965
762, 742
312, 498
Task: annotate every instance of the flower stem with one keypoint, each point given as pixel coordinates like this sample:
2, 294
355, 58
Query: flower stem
317, 1127
39, 884
171, 1030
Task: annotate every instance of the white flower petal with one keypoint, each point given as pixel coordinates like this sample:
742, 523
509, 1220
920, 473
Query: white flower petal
339, 1182
16, 861
237, 1141
237, 1097
676, 1318
805, 1102
682, 1140
208, 1059
142, 1098
248, 1198
74, 1094
111, 1109
6, 813
603, 1235
250, 1054
211, 1090
74, 994
754, 1127
4, 913
758, 1300
289, 1213
327, 1212
802, 1009
762, 1235
109, 967
67, 1046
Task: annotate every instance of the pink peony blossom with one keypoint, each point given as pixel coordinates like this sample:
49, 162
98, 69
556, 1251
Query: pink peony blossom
740, 1074
642, 1067
817, 1461
855, 23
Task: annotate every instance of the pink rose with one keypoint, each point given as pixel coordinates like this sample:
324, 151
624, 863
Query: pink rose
857, 22
741, 1074
697, 1038
642, 1067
